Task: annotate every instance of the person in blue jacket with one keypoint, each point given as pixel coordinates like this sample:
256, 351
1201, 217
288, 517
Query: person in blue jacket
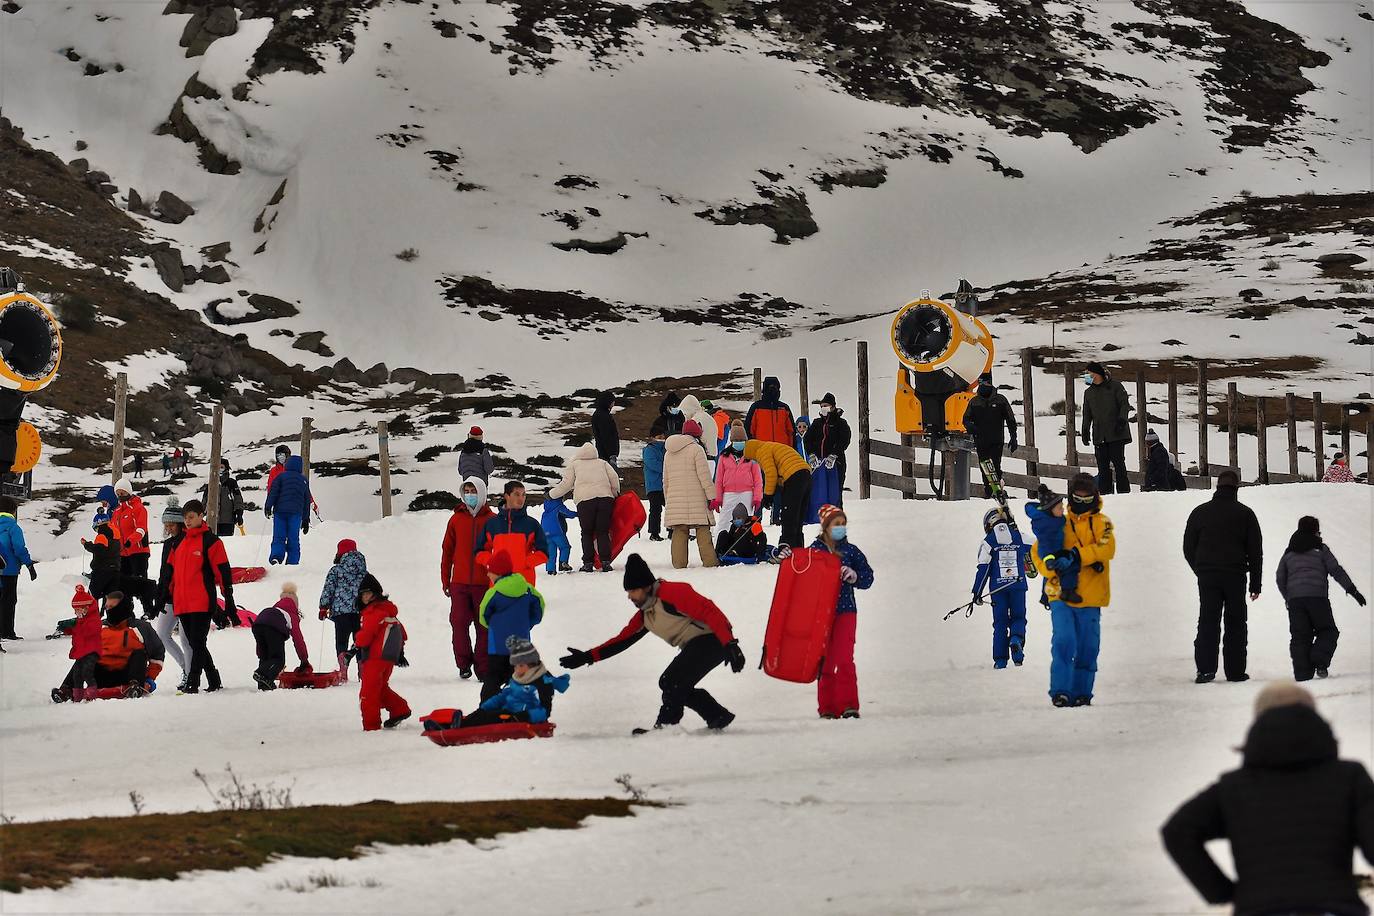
803, 424
15, 554
511, 607
555, 524
652, 459
106, 502
1002, 571
529, 695
1047, 522
288, 505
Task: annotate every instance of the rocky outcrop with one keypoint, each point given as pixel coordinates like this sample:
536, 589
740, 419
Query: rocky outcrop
312, 342
172, 209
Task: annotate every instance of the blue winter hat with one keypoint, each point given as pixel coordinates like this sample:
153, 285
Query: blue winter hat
107, 494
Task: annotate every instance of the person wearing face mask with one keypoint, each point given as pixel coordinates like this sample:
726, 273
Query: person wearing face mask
828, 439
1107, 427
988, 412
671, 412
837, 691
1077, 625
739, 481
464, 579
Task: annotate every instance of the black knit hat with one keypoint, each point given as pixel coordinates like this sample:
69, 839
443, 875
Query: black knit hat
1047, 498
827, 399
1097, 368
637, 573
370, 584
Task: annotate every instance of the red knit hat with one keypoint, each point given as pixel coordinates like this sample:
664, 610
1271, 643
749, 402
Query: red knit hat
475, 432
691, 428
827, 513
82, 599
500, 564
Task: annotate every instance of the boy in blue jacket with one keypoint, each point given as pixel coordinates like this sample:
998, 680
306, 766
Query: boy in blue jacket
555, 524
511, 607
15, 554
529, 695
1047, 521
288, 499
652, 457
1002, 570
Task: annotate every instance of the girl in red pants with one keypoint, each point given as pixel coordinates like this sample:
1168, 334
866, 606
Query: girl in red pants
837, 693
380, 644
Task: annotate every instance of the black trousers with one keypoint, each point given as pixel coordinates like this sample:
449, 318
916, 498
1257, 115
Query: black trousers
990, 451
197, 629
86, 673
595, 517
795, 496
271, 651
103, 581
655, 512
225, 529
133, 573
1313, 635
345, 627
9, 600
1221, 600
82, 673
679, 681
1111, 456
499, 671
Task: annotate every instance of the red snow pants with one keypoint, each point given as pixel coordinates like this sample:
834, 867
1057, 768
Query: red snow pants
838, 688
465, 603
376, 694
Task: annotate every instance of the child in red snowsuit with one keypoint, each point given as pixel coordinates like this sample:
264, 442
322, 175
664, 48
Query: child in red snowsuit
85, 651
380, 644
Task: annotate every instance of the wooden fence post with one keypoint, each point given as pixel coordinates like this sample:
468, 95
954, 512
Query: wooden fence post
212, 491
1172, 380
1070, 419
1232, 417
1317, 435
1291, 405
1142, 415
864, 430
909, 466
1028, 412
1369, 451
802, 387
306, 429
1204, 468
758, 383
384, 461
1345, 434
1262, 428
121, 399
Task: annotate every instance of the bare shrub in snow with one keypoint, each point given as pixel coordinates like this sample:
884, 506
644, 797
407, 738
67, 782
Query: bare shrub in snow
237, 795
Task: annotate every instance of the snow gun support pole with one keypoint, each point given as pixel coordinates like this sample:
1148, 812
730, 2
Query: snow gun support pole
803, 389
120, 400
968, 608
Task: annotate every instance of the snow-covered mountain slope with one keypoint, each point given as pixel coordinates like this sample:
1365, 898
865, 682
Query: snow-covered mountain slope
961, 790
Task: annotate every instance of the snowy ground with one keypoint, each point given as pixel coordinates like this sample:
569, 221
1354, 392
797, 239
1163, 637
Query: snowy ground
961, 789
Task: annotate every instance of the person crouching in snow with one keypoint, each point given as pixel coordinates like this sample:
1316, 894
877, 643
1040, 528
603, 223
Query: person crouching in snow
685, 620
119, 658
339, 598
837, 691
1339, 470
271, 630
555, 524
529, 695
380, 644
511, 607
1002, 571
85, 650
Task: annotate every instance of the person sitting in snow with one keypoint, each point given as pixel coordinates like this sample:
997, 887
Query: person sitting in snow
555, 523
120, 661
85, 650
511, 607
1047, 522
1002, 571
743, 540
1339, 470
270, 632
529, 695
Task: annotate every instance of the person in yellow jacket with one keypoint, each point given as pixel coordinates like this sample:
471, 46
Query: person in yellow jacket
787, 480
1077, 625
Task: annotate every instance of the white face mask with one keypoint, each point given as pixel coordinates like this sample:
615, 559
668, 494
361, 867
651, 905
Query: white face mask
825, 409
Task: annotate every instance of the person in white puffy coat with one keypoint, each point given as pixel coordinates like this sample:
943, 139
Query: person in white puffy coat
692, 410
594, 485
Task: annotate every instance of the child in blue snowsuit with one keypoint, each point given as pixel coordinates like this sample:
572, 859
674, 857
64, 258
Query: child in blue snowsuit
529, 695
1002, 569
288, 505
555, 524
1047, 521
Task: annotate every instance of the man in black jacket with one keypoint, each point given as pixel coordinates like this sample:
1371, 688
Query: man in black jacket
1223, 545
984, 417
1293, 814
605, 434
1107, 426
828, 437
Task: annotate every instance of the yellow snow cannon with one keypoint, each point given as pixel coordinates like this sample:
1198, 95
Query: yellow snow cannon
30, 351
942, 351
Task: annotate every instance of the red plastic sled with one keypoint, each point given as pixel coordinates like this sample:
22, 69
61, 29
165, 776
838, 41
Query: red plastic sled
802, 615
242, 574
317, 680
485, 734
114, 693
627, 519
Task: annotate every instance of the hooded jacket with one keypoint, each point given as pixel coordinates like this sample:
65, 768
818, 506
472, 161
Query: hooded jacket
777, 462
605, 437
1157, 466
511, 607
86, 635
516, 698
1336, 472
687, 485
285, 618
131, 518
381, 637
196, 564
340, 593
289, 494
104, 548
986, 415
769, 419
458, 563
652, 458
1303, 573
1294, 815
829, 436
474, 460
737, 474
513, 531
230, 498
692, 410
588, 476
106, 495
554, 518
1107, 412
672, 422
1092, 535
1223, 535
13, 550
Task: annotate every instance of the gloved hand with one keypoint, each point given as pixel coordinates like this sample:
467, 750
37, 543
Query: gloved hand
33, 573
1359, 599
977, 597
304, 668
238, 517
714, 505
267, 512
757, 508
1086, 440
403, 662
734, 656
305, 526
830, 462
848, 575
767, 502
814, 461
1098, 567
448, 592
324, 613
1013, 444
575, 658
782, 551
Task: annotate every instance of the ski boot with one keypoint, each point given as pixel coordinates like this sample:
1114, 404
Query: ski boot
395, 720
657, 537
1321, 672
1204, 677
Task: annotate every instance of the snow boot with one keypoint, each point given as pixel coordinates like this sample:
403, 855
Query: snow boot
608, 568
1321, 672
262, 682
850, 714
465, 672
61, 694
343, 667
586, 567
187, 689
565, 567
721, 721
1238, 679
1060, 700
657, 537
999, 663
1083, 701
1204, 677
828, 715
395, 720
212, 681
1018, 652
133, 690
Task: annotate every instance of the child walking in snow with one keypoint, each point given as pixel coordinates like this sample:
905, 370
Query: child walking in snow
380, 645
555, 524
1047, 522
837, 692
1302, 577
1002, 570
339, 598
271, 630
529, 695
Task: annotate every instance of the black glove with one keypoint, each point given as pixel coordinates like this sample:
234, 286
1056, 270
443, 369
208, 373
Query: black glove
267, 512
1086, 440
767, 501
33, 573
734, 656
1359, 599
576, 658
305, 526
1013, 445
238, 517
403, 662
977, 598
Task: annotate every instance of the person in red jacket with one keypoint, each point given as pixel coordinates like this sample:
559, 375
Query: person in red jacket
196, 564
463, 578
131, 520
380, 644
85, 651
687, 621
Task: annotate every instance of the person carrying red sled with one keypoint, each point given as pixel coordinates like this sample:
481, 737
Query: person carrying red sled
685, 620
271, 630
837, 691
527, 698
380, 646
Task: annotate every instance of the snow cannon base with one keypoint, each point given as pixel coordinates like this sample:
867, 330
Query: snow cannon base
242, 574
486, 734
316, 680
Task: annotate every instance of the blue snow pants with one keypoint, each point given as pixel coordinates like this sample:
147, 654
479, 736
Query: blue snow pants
1073, 649
560, 551
286, 538
1008, 622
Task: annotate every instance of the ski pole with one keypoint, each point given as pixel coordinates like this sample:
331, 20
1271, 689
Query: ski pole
968, 608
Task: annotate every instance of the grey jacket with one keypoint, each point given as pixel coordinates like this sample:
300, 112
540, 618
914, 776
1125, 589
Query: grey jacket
1303, 574
1106, 413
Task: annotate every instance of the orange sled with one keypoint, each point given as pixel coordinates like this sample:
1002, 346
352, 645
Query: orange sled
316, 679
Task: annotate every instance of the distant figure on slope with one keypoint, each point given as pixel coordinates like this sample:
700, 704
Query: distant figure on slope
605, 436
1338, 471
1002, 571
138, 465
474, 458
1302, 579
230, 501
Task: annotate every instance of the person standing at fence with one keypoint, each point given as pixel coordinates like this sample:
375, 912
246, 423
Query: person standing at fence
1107, 427
1224, 547
1338, 471
1302, 580
604, 432
988, 412
671, 413
829, 437
230, 501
